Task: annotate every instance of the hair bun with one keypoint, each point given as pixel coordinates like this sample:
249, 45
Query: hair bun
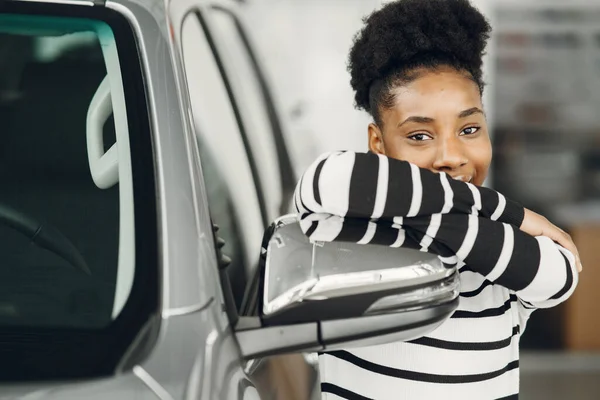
400, 32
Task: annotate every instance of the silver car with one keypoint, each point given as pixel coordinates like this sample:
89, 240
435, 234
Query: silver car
148, 246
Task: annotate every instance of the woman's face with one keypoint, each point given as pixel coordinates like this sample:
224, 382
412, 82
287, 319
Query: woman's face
437, 122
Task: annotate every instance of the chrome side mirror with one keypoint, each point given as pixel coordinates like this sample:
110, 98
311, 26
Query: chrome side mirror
364, 294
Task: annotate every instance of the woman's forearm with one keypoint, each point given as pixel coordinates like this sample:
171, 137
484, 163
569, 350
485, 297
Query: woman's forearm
366, 185
367, 198
535, 268
539, 271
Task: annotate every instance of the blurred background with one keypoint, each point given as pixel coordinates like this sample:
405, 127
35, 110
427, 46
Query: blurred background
543, 105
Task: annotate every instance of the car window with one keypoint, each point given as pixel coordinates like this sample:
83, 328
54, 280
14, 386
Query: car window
68, 221
233, 196
245, 85
46, 177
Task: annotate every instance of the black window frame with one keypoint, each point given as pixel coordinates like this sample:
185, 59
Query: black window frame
42, 353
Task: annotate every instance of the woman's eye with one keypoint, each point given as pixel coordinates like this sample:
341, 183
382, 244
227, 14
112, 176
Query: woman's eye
420, 137
469, 131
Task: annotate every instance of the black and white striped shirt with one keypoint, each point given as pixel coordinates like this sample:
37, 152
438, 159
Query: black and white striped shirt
505, 274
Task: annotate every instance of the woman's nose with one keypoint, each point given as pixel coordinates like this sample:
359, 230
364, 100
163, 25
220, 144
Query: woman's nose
450, 155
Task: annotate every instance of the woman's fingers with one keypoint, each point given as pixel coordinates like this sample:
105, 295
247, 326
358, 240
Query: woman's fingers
537, 225
565, 240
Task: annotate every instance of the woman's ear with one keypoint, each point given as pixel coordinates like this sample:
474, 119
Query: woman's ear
376, 144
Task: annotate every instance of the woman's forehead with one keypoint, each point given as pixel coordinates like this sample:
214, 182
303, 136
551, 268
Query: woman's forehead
437, 91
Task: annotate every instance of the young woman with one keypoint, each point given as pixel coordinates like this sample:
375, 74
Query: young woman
416, 68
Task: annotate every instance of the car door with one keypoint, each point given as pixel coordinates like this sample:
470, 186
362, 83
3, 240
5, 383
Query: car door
241, 157
240, 129
289, 376
230, 173
228, 180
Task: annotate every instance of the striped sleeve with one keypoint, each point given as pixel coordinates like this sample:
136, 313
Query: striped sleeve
366, 185
370, 199
540, 272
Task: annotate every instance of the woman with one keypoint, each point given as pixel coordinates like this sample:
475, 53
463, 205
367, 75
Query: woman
416, 68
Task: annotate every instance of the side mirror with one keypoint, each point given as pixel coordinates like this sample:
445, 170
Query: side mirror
308, 297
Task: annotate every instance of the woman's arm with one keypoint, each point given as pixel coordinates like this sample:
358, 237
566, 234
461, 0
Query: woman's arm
367, 185
410, 207
540, 272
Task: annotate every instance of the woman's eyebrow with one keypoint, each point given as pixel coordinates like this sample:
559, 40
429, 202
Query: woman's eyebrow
470, 111
428, 120
417, 119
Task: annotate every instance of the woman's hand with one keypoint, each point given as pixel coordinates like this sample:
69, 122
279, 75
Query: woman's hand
537, 225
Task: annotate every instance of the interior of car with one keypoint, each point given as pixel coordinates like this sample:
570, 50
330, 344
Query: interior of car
44, 174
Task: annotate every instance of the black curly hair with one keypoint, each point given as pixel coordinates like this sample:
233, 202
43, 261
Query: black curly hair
407, 35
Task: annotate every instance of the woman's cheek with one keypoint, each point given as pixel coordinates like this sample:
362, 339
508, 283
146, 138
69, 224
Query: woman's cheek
421, 156
481, 156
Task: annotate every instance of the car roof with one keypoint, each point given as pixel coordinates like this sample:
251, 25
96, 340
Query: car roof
151, 5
